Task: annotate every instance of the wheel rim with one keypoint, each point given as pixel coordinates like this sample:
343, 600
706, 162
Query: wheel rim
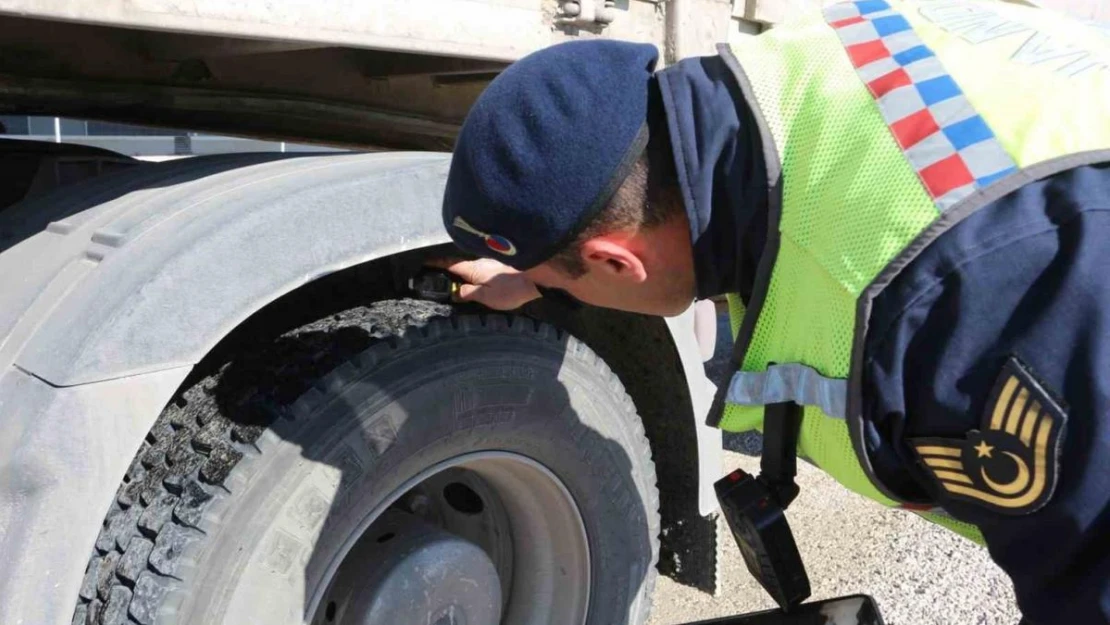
502, 518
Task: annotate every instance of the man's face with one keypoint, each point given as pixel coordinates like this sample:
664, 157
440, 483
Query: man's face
650, 273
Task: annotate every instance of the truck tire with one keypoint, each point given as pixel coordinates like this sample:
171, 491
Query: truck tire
387, 464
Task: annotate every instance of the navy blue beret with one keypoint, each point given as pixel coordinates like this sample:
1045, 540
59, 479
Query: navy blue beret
545, 147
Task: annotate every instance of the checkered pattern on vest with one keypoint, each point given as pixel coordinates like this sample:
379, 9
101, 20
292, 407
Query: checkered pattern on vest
950, 146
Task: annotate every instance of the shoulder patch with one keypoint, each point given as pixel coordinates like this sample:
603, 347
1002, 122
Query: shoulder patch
1011, 464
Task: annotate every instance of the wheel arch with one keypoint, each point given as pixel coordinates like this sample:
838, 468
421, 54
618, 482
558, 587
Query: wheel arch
96, 324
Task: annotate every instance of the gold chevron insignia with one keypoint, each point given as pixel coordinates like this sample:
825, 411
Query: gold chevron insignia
1011, 465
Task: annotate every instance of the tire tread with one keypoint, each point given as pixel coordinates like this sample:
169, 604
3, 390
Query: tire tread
188, 459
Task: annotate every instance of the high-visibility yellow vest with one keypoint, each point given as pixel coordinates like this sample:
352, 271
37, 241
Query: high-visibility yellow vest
889, 123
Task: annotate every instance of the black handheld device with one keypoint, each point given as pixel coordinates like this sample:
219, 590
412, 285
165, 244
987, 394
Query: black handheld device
754, 508
434, 285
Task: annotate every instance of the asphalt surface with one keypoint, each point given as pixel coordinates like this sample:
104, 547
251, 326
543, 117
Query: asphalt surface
919, 573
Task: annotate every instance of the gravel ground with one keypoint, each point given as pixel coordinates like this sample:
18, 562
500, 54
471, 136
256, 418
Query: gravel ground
919, 573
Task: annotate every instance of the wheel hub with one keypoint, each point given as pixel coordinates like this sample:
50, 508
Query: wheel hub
412, 572
484, 538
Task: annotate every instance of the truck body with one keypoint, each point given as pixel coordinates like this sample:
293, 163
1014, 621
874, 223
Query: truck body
125, 286
115, 293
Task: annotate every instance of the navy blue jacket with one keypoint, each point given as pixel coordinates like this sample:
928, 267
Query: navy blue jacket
1028, 276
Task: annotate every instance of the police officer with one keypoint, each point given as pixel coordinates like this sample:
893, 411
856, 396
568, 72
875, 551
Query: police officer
908, 206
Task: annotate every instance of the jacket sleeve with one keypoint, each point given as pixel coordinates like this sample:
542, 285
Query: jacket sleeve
1025, 278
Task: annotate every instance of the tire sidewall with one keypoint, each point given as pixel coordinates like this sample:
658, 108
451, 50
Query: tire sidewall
344, 449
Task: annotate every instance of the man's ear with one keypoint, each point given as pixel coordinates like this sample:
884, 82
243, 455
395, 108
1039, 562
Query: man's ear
613, 257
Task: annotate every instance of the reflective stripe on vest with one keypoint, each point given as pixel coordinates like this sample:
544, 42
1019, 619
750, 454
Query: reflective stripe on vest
949, 145
791, 382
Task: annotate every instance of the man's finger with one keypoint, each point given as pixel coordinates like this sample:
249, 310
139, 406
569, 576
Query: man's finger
468, 292
467, 270
442, 262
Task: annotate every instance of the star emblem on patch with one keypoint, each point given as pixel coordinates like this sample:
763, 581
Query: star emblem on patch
1011, 464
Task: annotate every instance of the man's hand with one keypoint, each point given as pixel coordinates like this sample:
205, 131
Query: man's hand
490, 283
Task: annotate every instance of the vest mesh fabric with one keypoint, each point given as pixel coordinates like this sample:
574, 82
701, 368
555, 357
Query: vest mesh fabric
851, 198
851, 202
